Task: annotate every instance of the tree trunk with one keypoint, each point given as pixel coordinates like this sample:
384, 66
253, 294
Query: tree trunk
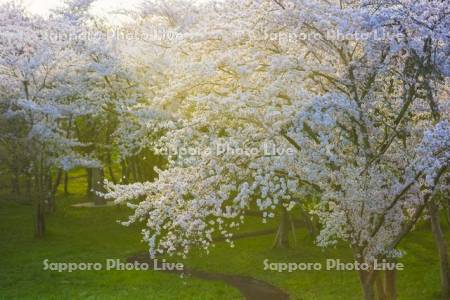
53, 189
89, 182
448, 210
57, 181
111, 174
49, 195
390, 284
368, 292
307, 221
39, 221
66, 183
15, 184
124, 178
139, 170
381, 295
442, 247
133, 169
367, 285
37, 185
98, 177
110, 169
282, 236
28, 184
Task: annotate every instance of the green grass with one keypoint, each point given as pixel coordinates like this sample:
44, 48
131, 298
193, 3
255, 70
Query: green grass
92, 235
419, 280
84, 235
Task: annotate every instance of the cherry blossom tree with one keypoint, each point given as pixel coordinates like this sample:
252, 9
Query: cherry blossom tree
337, 108
350, 87
376, 138
223, 132
39, 75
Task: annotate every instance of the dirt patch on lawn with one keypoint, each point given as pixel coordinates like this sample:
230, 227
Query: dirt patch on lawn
251, 288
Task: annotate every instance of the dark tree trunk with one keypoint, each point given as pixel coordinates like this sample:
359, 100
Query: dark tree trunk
368, 292
133, 170
49, 195
307, 221
39, 222
15, 184
448, 210
282, 235
57, 181
380, 288
53, 190
111, 174
28, 184
37, 185
390, 284
110, 169
385, 283
139, 170
66, 183
98, 177
442, 248
367, 284
124, 172
89, 182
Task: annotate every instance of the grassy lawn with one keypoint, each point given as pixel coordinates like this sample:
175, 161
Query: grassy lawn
92, 235
419, 280
84, 235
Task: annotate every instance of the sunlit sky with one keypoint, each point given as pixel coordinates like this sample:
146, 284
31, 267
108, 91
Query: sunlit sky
100, 7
